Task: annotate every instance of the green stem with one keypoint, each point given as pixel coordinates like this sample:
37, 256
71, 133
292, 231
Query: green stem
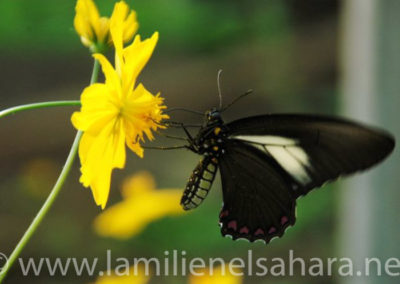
45, 208
16, 109
54, 192
95, 72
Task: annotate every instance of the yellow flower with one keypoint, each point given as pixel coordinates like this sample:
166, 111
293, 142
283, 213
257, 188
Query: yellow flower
116, 113
132, 277
219, 275
142, 205
95, 30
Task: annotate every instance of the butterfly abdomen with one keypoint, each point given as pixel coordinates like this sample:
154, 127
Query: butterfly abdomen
199, 183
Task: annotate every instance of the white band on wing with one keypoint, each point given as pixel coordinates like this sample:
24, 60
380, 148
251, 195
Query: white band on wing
292, 158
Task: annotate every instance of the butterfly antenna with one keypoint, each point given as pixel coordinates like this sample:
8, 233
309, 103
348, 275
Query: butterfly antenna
237, 99
219, 88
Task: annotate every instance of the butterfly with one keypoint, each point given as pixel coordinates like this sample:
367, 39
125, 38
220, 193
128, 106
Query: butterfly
268, 161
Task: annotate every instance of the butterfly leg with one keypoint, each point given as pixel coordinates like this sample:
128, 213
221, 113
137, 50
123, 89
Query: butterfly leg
166, 148
184, 127
190, 138
187, 133
176, 124
172, 137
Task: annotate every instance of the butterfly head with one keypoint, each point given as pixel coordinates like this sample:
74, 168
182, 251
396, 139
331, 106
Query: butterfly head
213, 116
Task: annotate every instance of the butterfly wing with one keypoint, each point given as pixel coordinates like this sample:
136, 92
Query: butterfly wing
313, 149
258, 202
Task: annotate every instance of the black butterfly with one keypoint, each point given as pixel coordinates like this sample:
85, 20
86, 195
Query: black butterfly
268, 161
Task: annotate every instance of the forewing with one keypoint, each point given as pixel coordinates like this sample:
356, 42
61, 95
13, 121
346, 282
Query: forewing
313, 149
258, 203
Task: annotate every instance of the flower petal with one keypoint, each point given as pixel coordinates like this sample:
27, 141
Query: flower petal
117, 30
117, 220
112, 78
99, 155
96, 111
136, 148
86, 19
136, 56
130, 26
122, 28
139, 183
103, 29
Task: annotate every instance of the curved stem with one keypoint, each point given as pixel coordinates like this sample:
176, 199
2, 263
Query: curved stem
16, 109
45, 208
53, 195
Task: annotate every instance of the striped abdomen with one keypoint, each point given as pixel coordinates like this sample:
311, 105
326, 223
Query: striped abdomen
199, 183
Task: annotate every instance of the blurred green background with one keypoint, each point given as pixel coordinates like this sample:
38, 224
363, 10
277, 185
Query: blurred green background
288, 51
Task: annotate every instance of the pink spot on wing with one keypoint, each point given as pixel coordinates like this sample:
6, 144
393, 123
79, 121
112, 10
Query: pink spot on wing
224, 214
259, 232
284, 220
272, 230
232, 225
244, 230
